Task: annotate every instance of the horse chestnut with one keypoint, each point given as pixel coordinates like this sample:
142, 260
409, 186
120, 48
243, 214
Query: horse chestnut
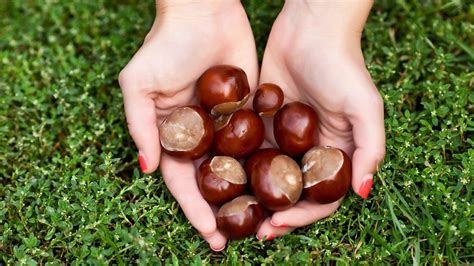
221, 179
276, 180
222, 89
240, 217
241, 134
268, 99
255, 158
326, 173
187, 132
295, 128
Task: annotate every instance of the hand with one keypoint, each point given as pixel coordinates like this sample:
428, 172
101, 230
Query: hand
185, 40
320, 63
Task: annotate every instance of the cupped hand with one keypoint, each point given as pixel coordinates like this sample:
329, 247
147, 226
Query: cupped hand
185, 40
326, 70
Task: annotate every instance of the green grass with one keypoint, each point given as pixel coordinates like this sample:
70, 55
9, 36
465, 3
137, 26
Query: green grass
70, 190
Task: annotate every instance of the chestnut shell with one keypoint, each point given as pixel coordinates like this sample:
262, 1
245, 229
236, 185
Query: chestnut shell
199, 148
242, 135
267, 99
295, 128
276, 180
222, 89
240, 217
327, 174
221, 179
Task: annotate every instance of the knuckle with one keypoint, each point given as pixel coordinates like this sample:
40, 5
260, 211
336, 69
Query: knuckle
379, 154
378, 102
207, 231
375, 99
124, 77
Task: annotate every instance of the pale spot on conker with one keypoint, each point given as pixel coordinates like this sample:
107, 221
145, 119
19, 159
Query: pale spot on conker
320, 163
228, 169
286, 175
182, 130
236, 206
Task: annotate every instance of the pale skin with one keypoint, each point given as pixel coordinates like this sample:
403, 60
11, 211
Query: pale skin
313, 53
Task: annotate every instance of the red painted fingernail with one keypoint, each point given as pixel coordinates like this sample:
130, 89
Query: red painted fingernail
142, 161
364, 189
270, 237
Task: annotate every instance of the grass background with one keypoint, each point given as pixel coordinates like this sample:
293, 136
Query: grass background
70, 190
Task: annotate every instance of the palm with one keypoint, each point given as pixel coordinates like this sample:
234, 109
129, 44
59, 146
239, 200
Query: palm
334, 82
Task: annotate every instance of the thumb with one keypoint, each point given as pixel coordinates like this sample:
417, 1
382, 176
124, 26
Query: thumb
142, 124
369, 138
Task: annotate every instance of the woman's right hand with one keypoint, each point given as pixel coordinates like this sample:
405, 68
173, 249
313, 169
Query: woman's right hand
186, 39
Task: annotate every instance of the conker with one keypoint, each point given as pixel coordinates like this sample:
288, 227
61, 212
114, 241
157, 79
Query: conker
295, 128
221, 179
240, 217
187, 132
222, 89
276, 180
241, 135
267, 99
327, 174
256, 156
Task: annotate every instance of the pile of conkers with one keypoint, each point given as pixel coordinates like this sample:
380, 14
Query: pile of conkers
221, 128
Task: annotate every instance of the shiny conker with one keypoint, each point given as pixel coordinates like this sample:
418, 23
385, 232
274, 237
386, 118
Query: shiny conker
222, 89
276, 180
327, 174
251, 161
240, 217
295, 128
221, 179
241, 134
187, 132
267, 99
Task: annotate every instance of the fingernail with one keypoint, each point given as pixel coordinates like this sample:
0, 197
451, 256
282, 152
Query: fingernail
278, 225
142, 161
270, 237
364, 189
218, 249
258, 237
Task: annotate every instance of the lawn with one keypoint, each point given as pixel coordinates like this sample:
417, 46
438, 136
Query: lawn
71, 191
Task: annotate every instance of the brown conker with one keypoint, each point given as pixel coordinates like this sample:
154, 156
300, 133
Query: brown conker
222, 89
327, 174
240, 217
251, 161
267, 99
241, 134
295, 128
221, 179
276, 180
187, 132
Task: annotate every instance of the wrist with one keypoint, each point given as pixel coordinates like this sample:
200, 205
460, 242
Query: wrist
194, 8
338, 21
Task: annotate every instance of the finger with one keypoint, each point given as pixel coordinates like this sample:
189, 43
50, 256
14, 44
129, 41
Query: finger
267, 231
142, 124
336, 131
165, 104
180, 178
217, 241
246, 60
369, 140
303, 213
